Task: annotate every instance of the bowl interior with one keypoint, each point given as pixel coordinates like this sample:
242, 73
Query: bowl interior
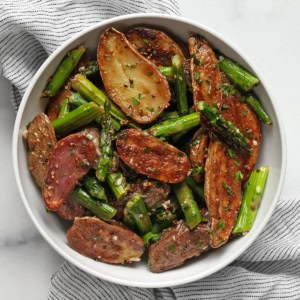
137, 274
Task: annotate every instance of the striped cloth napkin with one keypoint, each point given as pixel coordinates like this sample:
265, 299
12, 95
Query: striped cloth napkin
29, 31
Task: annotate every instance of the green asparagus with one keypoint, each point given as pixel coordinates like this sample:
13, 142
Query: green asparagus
168, 72
137, 209
105, 143
63, 72
169, 115
94, 188
78, 117
256, 105
238, 75
91, 70
118, 185
128, 219
195, 187
229, 131
77, 100
188, 204
101, 210
180, 86
173, 126
64, 108
251, 199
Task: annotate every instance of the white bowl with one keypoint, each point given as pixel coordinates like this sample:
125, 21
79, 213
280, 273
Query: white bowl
273, 154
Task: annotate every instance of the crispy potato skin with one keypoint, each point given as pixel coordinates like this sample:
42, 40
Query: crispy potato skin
198, 150
41, 140
104, 242
176, 245
155, 45
70, 209
132, 82
205, 73
152, 157
222, 191
243, 116
70, 160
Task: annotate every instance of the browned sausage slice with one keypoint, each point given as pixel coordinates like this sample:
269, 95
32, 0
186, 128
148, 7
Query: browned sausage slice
40, 137
243, 116
205, 73
152, 157
155, 45
105, 242
70, 160
70, 209
222, 189
198, 151
176, 245
132, 82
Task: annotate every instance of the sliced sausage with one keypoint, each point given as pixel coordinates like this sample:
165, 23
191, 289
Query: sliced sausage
198, 151
155, 45
132, 82
222, 189
239, 113
205, 73
70, 209
176, 245
105, 242
70, 160
93, 134
152, 157
40, 137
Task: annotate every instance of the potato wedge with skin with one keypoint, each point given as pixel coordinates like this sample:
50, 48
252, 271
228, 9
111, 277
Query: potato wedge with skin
110, 243
152, 157
155, 45
131, 81
205, 73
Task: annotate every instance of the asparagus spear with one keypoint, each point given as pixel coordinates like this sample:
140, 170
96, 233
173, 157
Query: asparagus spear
173, 126
91, 93
256, 105
102, 210
77, 100
91, 70
105, 143
169, 115
117, 183
251, 199
238, 75
137, 209
195, 187
63, 72
180, 85
128, 219
229, 131
168, 72
79, 117
94, 188
64, 108
188, 204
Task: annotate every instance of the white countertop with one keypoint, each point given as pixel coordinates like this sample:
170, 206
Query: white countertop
267, 31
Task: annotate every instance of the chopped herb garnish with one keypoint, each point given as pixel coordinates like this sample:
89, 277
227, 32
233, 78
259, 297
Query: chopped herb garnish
239, 175
135, 101
236, 163
172, 247
214, 66
226, 208
221, 225
195, 142
198, 244
224, 107
197, 62
231, 153
130, 66
147, 150
150, 73
227, 188
131, 83
245, 112
228, 90
145, 41
180, 154
197, 77
140, 96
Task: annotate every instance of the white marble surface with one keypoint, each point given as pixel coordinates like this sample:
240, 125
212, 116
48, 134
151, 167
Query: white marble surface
268, 31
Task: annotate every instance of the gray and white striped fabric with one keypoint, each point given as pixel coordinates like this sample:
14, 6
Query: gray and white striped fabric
29, 31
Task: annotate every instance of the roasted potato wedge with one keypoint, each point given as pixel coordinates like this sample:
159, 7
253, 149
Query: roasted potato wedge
152, 157
155, 45
205, 73
132, 82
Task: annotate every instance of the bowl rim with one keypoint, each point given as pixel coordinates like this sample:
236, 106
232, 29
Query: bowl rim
129, 282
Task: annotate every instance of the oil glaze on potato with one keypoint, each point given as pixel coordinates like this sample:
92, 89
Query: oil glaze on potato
152, 157
131, 81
